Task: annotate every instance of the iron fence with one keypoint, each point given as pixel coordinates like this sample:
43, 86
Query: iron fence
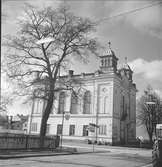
19, 141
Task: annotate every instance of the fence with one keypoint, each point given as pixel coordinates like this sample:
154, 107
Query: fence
21, 141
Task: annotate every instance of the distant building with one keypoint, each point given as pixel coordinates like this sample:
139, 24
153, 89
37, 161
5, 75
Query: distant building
107, 98
19, 122
3, 122
3, 118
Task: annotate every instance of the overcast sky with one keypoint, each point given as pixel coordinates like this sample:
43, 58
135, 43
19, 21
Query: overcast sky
137, 35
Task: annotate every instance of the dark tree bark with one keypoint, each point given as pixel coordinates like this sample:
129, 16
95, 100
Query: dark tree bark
45, 116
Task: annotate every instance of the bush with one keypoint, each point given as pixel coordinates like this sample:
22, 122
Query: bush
89, 141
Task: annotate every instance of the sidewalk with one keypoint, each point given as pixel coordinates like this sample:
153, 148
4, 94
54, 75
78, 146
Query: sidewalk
59, 151
7, 154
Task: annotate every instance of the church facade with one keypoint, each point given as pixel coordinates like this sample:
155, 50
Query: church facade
106, 98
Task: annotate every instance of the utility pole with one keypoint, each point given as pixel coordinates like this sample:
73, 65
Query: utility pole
62, 127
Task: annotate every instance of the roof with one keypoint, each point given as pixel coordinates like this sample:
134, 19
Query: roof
109, 52
126, 66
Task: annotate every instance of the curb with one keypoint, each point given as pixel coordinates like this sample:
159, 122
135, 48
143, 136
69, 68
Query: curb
33, 155
47, 154
25, 154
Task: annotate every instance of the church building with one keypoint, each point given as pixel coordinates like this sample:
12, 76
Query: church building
103, 109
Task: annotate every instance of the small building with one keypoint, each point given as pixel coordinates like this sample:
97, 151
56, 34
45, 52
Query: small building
3, 117
3, 122
106, 98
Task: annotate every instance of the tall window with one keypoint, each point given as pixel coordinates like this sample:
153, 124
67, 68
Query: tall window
106, 109
87, 102
74, 104
33, 127
48, 129
59, 129
102, 129
72, 130
38, 106
85, 130
61, 103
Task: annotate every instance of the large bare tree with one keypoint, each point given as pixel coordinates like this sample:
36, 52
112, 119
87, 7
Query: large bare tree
149, 111
46, 40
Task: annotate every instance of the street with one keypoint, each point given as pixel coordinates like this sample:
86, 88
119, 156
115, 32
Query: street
104, 156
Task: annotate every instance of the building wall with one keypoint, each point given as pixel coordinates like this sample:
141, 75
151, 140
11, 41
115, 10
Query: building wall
111, 96
124, 130
101, 95
105, 110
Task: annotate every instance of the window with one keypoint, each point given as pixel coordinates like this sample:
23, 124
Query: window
87, 102
72, 130
48, 129
102, 129
59, 129
61, 103
106, 105
101, 105
85, 130
38, 106
33, 127
74, 104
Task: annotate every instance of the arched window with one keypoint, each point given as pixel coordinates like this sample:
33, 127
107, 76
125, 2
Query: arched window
61, 102
86, 102
102, 62
74, 103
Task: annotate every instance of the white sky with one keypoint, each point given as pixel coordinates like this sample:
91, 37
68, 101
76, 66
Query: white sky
137, 36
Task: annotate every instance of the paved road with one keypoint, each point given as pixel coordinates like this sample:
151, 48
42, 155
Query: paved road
103, 157
113, 149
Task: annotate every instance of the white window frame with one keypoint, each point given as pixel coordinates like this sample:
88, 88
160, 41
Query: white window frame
102, 130
34, 127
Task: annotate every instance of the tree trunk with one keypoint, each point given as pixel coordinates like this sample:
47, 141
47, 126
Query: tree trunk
45, 116
150, 138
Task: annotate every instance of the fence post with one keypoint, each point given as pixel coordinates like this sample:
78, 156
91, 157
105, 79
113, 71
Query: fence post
26, 142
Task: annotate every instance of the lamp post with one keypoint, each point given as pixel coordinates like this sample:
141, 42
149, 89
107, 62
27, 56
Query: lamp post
30, 118
45, 40
150, 103
65, 115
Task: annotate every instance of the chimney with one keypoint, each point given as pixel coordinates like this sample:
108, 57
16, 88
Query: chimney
71, 73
